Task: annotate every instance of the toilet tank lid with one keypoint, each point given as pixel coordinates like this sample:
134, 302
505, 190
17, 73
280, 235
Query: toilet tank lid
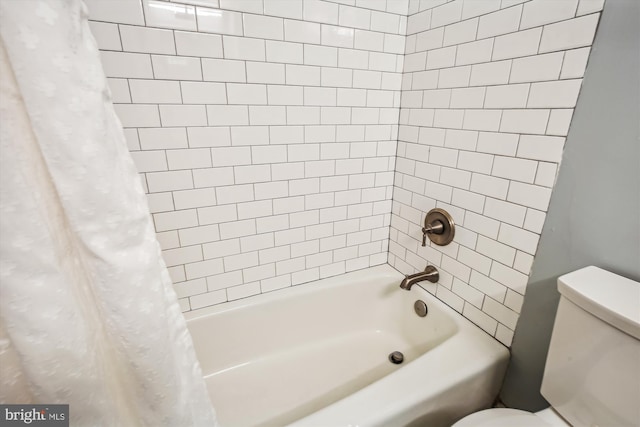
608, 296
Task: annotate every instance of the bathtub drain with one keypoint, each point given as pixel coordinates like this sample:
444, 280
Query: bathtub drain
396, 357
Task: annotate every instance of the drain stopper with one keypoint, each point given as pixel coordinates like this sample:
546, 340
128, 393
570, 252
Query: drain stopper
396, 357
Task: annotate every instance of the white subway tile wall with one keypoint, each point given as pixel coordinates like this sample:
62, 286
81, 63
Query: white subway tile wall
265, 132
284, 141
488, 92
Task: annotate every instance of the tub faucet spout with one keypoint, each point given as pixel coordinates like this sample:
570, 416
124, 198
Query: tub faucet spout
430, 273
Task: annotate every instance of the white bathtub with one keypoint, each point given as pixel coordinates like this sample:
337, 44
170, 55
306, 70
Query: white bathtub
317, 355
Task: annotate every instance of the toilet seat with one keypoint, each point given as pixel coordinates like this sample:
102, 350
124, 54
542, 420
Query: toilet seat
502, 417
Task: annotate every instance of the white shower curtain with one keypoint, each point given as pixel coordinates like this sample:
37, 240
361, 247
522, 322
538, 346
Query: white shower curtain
88, 316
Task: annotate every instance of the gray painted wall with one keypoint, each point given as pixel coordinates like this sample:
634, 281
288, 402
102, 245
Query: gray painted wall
594, 215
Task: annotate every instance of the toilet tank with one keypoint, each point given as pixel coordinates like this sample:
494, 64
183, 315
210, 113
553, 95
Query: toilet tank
592, 373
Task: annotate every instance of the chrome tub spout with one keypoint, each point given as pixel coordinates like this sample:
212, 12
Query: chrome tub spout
430, 273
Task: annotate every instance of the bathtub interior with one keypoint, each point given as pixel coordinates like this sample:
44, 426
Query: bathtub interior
275, 358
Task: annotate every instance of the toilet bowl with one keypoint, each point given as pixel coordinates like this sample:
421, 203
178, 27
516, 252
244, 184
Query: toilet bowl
505, 417
593, 365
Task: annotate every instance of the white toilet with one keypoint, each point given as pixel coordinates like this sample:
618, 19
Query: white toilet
592, 373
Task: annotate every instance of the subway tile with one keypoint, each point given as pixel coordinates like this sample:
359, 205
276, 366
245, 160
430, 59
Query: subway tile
577, 32
320, 55
441, 58
302, 32
147, 40
528, 195
220, 249
226, 115
505, 212
219, 21
369, 40
320, 11
429, 40
500, 22
468, 97
169, 15
546, 148
489, 186
486, 120
285, 95
589, 6
518, 238
536, 68
558, 94
507, 96
208, 299
106, 34
176, 67
382, 61
249, 135
349, 58
575, 63
203, 93
418, 22
169, 181
223, 70
501, 313
540, 12
546, 175
264, 72
354, 17
263, 27
254, 94
263, 115
126, 12
138, 115
191, 158
211, 177
514, 168
183, 115
524, 121
471, 9
392, 43
514, 45
385, 22
127, 65
559, 121
149, 161
534, 221
251, 6
492, 73
173, 257
155, 91
283, 8
162, 138
202, 269
302, 75
460, 32
454, 77
446, 14
474, 52
160, 202
496, 250
198, 235
197, 44
243, 48
217, 214
277, 51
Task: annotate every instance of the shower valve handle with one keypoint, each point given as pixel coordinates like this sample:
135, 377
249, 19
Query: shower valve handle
436, 227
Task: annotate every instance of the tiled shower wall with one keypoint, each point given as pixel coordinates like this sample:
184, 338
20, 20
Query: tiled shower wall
265, 132
488, 93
